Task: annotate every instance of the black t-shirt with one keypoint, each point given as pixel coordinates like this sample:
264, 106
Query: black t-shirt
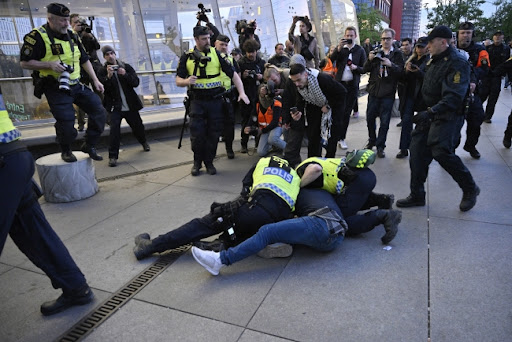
34, 46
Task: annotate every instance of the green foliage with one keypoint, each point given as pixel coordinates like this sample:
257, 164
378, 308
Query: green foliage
370, 23
453, 12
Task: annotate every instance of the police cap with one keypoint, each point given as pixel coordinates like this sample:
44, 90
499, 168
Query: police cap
498, 33
360, 158
236, 51
58, 9
467, 26
223, 38
201, 31
440, 31
422, 41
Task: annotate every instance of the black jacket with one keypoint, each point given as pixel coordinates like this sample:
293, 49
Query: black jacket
112, 98
358, 58
384, 86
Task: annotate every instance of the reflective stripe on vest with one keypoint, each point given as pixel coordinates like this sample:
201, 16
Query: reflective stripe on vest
212, 68
67, 57
330, 169
274, 174
264, 119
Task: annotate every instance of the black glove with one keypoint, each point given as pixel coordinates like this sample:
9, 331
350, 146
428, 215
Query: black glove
246, 191
203, 17
421, 118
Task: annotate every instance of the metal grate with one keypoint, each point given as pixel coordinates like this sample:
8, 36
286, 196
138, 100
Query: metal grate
106, 309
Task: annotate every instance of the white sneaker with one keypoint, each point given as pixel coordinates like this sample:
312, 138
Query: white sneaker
343, 145
208, 259
276, 250
355, 115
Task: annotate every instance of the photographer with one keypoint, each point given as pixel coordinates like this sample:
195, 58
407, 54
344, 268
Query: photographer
385, 66
202, 17
251, 68
268, 114
246, 31
280, 59
121, 101
56, 54
305, 44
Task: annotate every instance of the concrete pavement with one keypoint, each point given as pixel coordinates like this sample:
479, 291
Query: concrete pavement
446, 278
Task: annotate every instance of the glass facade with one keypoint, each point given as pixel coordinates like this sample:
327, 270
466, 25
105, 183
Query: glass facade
411, 19
151, 35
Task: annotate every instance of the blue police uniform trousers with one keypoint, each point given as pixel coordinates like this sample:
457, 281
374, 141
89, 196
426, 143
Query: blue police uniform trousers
474, 120
437, 141
206, 124
22, 218
61, 105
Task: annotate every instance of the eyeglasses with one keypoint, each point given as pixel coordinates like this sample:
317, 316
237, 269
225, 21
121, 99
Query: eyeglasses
385, 38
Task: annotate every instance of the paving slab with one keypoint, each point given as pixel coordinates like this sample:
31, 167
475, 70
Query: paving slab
470, 275
22, 294
255, 336
139, 321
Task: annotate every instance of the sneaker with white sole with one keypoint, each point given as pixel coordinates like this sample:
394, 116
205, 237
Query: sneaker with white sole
276, 250
343, 144
208, 259
355, 115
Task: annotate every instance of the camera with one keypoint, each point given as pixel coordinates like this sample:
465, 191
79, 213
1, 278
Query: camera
252, 73
270, 88
115, 67
201, 14
378, 52
294, 110
64, 77
199, 57
244, 27
347, 41
85, 27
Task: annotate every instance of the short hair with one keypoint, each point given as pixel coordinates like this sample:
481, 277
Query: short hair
72, 15
270, 69
275, 47
407, 39
251, 45
390, 30
297, 69
351, 28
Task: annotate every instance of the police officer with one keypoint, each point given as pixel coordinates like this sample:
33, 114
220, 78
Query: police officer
52, 50
221, 45
445, 84
200, 70
272, 187
22, 218
479, 59
498, 54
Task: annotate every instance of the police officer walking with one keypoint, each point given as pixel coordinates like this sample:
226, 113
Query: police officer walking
479, 59
56, 54
498, 54
200, 70
22, 218
444, 87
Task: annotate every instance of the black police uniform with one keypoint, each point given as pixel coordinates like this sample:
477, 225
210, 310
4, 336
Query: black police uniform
491, 86
444, 87
206, 114
61, 102
475, 114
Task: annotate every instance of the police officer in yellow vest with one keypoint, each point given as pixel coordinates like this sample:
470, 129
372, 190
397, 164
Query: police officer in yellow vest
270, 191
56, 54
221, 45
22, 218
200, 70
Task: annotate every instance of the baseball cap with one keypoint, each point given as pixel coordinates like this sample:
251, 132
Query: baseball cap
422, 41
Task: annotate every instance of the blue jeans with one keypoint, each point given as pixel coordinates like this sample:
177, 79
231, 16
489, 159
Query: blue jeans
272, 138
378, 107
309, 230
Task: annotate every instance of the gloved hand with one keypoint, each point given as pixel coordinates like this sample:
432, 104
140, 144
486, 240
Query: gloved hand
422, 117
246, 191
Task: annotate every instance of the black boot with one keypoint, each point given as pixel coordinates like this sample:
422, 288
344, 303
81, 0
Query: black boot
91, 151
216, 245
390, 219
81, 296
469, 199
195, 168
143, 246
382, 201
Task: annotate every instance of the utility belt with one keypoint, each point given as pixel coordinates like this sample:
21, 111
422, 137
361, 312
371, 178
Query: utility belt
231, 94
206, 95
270, 203
335, 223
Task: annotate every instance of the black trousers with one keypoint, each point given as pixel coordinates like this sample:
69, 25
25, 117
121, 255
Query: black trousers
206, 121
265, 207
22, 218
229, 123
491, 92
474, 120
134, 121
436, 141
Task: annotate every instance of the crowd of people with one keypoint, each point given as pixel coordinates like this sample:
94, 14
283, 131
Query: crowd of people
441, 80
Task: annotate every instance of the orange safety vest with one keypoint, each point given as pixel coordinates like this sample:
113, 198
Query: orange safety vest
330, 68
264, 119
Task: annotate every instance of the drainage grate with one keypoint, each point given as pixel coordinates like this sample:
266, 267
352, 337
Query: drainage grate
89, 323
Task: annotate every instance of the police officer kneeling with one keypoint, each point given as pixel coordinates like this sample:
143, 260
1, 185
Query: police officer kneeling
56, 54
200, 70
